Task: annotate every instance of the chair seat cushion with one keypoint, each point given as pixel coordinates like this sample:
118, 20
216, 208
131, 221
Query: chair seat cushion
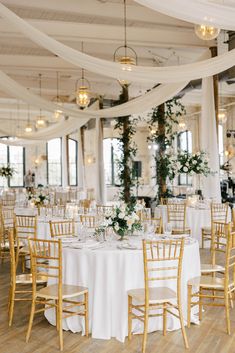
68, 291
156, 295
206, 282
209, 268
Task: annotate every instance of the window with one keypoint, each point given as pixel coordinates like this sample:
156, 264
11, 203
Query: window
185, 144
221, 144
112, 153
54, 165
14, 156
72, 150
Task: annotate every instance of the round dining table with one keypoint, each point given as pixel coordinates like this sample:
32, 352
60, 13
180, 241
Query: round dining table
109, 270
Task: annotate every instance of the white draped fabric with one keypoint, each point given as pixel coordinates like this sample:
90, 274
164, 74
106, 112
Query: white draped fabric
208, 140
151, 75
138, 105
100, 175
197, 11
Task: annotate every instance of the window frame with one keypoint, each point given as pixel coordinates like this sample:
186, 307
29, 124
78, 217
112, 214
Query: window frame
112, 162
76, 162
60, 138
8, 163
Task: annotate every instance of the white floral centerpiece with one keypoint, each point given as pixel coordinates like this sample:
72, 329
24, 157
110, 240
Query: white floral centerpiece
6, 172
38, 198
123, 219
196, 163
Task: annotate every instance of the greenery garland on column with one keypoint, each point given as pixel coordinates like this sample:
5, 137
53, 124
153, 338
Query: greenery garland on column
126, 127
162, 124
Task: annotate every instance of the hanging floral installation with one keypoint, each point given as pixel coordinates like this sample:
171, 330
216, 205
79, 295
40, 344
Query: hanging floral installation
6, 172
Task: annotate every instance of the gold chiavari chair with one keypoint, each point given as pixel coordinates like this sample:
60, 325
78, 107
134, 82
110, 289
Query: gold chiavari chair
62, 228
209, 268
88, 221
20, 281
25, 227
216, 290
59, 296
8, 202
163, 201
219, 212
6, 224
85, 204
104, 210
176, 215
152, 298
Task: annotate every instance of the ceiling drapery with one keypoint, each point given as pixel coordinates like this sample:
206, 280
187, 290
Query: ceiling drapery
148, 74
196, 11
138, 105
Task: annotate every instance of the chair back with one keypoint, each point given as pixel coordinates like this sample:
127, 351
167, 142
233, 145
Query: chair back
7, 217
162, 262
88, 221
25, 227
104, 210
8, 202
176, 215
219, 212
62, 228
223, 241
12, 246
144, 214
46, 261
155, 223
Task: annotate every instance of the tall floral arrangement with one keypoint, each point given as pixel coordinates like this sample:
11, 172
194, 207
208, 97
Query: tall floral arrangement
6, 172
38, 198
196, 163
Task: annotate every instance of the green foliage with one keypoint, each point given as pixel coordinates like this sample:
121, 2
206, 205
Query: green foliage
127, 129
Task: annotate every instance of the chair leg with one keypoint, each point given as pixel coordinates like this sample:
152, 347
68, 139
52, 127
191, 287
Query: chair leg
23, 263
226, 297
60, 324
182, 326
164, 319
129, 317
231, 299
189, 306
11, 304
200, 304
146, 316
31, 319
86, 315
56, 312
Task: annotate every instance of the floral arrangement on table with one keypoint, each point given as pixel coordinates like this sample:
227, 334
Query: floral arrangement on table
6, 172
196, 163
38, 198
123, 219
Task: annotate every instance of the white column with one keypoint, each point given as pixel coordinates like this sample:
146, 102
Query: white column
64, 162
81, 169
100, 176
208, 140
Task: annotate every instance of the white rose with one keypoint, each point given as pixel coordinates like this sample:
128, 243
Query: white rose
185, 169
116, 226
122, 215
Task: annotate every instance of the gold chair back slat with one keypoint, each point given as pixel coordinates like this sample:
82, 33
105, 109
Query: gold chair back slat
219, 212
176, 215
62, 228
88, 221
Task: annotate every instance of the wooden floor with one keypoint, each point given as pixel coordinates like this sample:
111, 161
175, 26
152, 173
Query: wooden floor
208, 337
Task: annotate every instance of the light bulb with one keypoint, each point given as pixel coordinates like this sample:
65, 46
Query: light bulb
40, 121
83, 97
28, 128
205, 32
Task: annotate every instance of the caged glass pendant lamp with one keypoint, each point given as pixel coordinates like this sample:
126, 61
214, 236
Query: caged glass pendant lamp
82, 90
125, 55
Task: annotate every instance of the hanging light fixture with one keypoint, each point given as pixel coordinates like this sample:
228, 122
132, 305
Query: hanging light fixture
28, 127
82, 90
58, 112
40, 121
222, 116
125, 55
205, 32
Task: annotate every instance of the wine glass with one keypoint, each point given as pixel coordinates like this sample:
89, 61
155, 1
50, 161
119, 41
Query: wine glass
168, 229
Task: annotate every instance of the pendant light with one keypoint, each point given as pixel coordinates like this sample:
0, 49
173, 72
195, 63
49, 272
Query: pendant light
205, 32
58, 112
125, 55
40, 122
82, 90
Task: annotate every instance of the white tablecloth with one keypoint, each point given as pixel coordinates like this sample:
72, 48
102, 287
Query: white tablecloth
196, 219
109, 273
